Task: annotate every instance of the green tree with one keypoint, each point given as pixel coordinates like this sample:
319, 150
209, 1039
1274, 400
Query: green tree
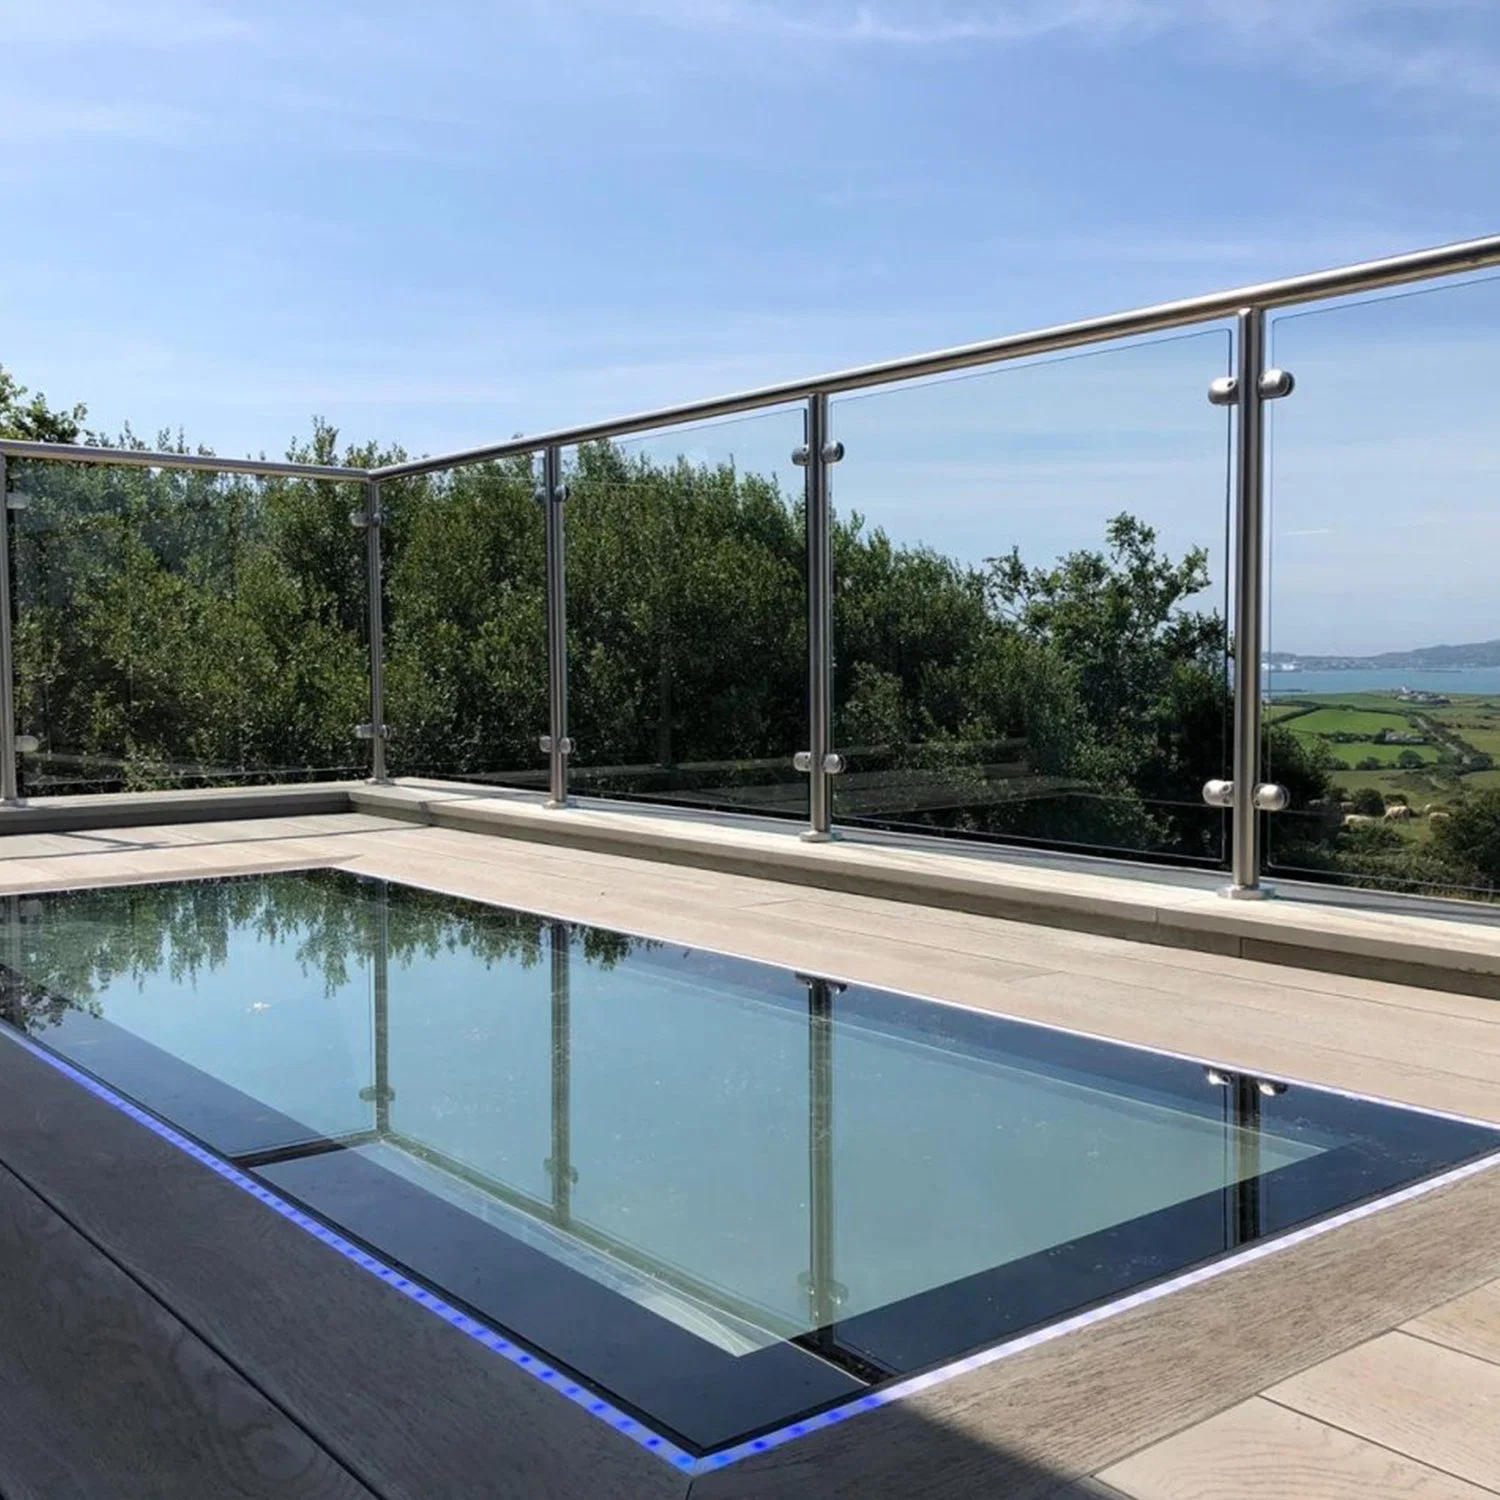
1148, 669
1470, 840
686, 624
28, 418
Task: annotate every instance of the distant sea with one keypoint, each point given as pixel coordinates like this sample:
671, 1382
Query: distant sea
1386, 680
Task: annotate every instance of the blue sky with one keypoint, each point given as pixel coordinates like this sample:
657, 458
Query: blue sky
445, 223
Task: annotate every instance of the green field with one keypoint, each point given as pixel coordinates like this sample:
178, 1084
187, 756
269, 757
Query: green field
1325, 721
1276, 712
1486, 741
1384, 703
1358, 718
1350, 756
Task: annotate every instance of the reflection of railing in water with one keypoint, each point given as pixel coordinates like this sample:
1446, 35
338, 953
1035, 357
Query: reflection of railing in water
559, 1165
818, 1284
824, 1294
379, 1091
1244, 1096
1244, 1207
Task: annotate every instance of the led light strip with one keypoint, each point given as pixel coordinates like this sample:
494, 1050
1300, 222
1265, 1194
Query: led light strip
638, 1432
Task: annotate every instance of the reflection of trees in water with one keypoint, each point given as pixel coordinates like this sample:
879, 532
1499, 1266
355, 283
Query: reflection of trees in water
83, 941
30, 1007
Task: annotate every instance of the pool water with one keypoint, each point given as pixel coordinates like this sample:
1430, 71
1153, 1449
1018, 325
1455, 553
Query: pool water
722, 1194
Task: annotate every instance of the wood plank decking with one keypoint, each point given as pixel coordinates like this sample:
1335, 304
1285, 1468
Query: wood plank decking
1365, 1362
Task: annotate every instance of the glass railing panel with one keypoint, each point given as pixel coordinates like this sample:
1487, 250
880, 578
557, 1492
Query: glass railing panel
1030, 601
687, 616
1383, 668
466, 625
182, 629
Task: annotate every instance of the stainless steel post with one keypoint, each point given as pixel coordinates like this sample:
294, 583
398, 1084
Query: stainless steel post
819, 624
9, 785
1249, 601
559, 746
375, 587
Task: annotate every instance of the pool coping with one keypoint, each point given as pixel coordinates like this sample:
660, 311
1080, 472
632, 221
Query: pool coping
1446, 945
1427, 943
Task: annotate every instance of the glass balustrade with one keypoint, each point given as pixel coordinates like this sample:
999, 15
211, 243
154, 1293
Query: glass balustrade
464, 559
178, 628
1030, 601
1383, 674
687, 616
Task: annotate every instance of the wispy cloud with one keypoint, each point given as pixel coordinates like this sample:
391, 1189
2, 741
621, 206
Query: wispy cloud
1450, 47
1420, 46
141, 23
27, 121
904, 24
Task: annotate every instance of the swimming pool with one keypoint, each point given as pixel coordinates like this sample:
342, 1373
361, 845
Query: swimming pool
712, 1200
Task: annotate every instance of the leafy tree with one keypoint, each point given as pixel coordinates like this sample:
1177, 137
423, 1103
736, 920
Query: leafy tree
686, 623
1118, 613
28, 417
1148, 671
466, 622
1470, 840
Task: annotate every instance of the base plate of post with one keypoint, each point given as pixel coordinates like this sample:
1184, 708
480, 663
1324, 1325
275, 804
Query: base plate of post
1248, 892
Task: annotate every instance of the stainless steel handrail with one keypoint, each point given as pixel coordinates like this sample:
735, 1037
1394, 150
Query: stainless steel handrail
1417, 265
141, 458
1341, 281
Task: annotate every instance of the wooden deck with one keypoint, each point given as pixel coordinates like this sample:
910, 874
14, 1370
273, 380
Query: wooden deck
162, 1334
